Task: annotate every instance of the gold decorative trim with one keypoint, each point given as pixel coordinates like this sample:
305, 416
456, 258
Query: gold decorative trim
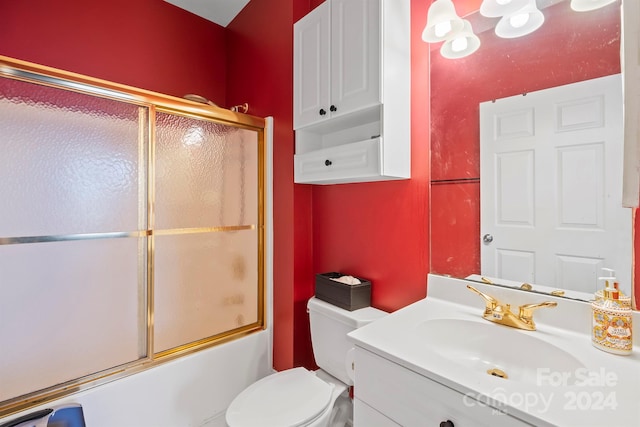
151, 223
172, 231
144, 271
262, 243
120, 234
30, 72
191, 347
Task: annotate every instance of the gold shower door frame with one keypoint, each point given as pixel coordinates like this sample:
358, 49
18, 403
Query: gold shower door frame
149, 103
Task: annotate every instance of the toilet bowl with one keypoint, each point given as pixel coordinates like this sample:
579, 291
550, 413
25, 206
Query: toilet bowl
295, 397
298, 397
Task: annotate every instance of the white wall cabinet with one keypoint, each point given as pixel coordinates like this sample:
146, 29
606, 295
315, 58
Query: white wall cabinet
352, 92
403, 397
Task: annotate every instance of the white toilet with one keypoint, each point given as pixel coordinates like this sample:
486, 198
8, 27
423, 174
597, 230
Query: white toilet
298, 397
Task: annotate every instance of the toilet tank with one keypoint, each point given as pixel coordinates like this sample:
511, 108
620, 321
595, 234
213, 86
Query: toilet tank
329, 328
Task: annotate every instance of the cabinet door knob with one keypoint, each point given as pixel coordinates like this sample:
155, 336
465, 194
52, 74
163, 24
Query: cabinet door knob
327, 162
487, 238
447, 423
322, 111
333, 108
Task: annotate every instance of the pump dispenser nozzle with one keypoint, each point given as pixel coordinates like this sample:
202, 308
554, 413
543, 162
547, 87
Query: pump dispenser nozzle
609, 277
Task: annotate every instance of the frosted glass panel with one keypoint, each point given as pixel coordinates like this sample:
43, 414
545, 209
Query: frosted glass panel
73, 172
206, 174
205, 284
69, 162
67, 309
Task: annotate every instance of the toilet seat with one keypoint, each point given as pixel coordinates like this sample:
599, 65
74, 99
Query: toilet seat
294, 397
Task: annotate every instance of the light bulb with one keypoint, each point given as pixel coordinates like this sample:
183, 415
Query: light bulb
588, 5
459, 44
519, 20
442, 28
500, 8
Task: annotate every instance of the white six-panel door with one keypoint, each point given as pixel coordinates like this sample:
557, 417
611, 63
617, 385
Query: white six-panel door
551, 186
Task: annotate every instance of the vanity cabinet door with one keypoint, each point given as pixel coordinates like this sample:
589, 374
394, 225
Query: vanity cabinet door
409, 399
365, 416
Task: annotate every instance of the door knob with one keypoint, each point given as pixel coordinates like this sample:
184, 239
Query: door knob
333, 108
322, 111
447, 423
487, 238
327, 162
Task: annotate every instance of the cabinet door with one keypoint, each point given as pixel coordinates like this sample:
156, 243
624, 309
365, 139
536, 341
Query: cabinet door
410, 399
355, 55
365, 416
311, 67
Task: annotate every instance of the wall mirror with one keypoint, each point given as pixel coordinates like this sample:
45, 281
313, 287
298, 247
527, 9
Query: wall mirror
569, 47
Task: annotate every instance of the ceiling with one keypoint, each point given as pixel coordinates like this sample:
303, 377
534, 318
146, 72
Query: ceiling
221, 12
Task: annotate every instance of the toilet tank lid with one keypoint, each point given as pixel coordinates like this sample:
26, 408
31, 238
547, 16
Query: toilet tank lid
355, 318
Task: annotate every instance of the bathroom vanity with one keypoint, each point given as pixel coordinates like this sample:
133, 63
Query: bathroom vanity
438, 362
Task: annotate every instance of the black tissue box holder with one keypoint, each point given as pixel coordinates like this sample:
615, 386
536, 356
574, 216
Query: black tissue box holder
348, 297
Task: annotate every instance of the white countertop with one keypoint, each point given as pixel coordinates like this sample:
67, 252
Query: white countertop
605, 391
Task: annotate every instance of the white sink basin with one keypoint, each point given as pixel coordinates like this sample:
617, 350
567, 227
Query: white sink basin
495, 349
555, 374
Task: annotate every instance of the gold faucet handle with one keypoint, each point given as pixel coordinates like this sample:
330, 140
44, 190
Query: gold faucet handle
490, 301
526, 311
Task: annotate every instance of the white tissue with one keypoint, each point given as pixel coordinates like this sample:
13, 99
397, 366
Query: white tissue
347, 280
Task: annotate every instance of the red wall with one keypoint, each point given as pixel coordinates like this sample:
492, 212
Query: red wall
380, 231
148, 44
260, 72
154, 45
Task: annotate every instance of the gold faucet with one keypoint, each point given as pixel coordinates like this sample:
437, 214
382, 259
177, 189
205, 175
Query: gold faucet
497, 312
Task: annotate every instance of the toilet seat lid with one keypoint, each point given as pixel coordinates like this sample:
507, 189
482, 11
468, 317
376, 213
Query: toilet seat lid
287, 398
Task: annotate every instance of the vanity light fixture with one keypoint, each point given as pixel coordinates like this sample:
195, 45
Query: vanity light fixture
588, 5
461, 44
442, 22
498, 8
521, 22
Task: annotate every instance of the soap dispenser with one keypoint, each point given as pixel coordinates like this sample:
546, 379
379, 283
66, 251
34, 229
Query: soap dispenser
611, 319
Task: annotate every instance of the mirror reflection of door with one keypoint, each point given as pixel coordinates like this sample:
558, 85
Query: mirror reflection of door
551, 186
